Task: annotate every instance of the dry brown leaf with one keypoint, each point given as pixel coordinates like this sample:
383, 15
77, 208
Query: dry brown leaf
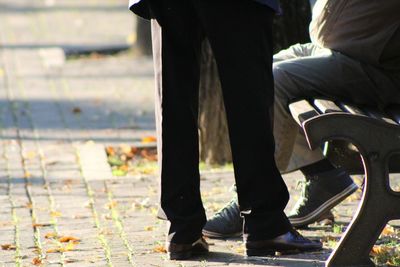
124, 168
110, 150
65, 239
149, 139
8, 247
126, 149
50, 235
239, 249
76, 110
69, 247
148, 155
388, 231
111, 204
37, 261
159, 249
71, 260
149, 228
377, 250
41, 224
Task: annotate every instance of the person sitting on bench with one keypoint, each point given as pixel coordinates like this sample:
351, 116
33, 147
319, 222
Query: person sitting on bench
354, 56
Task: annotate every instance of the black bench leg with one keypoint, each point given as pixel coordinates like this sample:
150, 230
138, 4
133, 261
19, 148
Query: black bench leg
376, 141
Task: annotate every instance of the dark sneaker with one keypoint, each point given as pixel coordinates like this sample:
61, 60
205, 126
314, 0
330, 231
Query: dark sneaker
225, 223
291, 242
320, 194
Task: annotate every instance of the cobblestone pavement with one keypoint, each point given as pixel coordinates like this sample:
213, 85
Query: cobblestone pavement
56, 115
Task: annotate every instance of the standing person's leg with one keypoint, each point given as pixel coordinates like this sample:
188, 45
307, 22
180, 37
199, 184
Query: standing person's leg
242, 44
176, 47
227, 222
241, 40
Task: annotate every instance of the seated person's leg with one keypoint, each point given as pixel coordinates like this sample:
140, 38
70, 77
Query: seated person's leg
323, 74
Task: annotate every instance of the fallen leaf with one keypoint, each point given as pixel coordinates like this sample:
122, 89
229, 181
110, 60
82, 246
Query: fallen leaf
71, 260
65, 239
149, 228
41, 224
126, 149
149, 139
388, 231
50, 235
239, 249
69, 247
152, 156
110, 150
111, 204
37, 261
124, 168
107, 216
27, 174
8, 247
76, 110
159, 249
377, 250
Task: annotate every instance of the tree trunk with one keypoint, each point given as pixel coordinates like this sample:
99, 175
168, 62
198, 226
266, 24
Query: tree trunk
143, 41
214, 139
289, 29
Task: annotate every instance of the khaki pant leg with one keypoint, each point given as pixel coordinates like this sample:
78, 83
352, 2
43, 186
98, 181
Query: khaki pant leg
306, 71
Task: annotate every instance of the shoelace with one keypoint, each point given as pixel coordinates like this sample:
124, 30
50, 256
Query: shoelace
303, 185
227, 208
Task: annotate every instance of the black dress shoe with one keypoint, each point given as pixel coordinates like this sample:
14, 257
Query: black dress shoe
185, 251
291, 242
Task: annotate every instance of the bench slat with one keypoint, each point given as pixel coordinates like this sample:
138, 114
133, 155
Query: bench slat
377, 114
302, 110
351, 109
394, 112
326, 106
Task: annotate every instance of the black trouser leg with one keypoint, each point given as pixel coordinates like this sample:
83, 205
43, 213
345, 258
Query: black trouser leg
240, 35
177, 98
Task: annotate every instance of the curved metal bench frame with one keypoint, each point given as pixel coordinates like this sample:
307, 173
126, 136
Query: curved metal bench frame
377, 140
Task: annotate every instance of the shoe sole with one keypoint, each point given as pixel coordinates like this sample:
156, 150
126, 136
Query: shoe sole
273, 252
188, 254
259, 252
210, 234
328, 205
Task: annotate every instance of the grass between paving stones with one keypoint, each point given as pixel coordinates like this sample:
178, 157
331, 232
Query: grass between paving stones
386, 251
128, 160
136, 160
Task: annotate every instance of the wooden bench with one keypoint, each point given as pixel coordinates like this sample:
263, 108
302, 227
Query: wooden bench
377, 137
